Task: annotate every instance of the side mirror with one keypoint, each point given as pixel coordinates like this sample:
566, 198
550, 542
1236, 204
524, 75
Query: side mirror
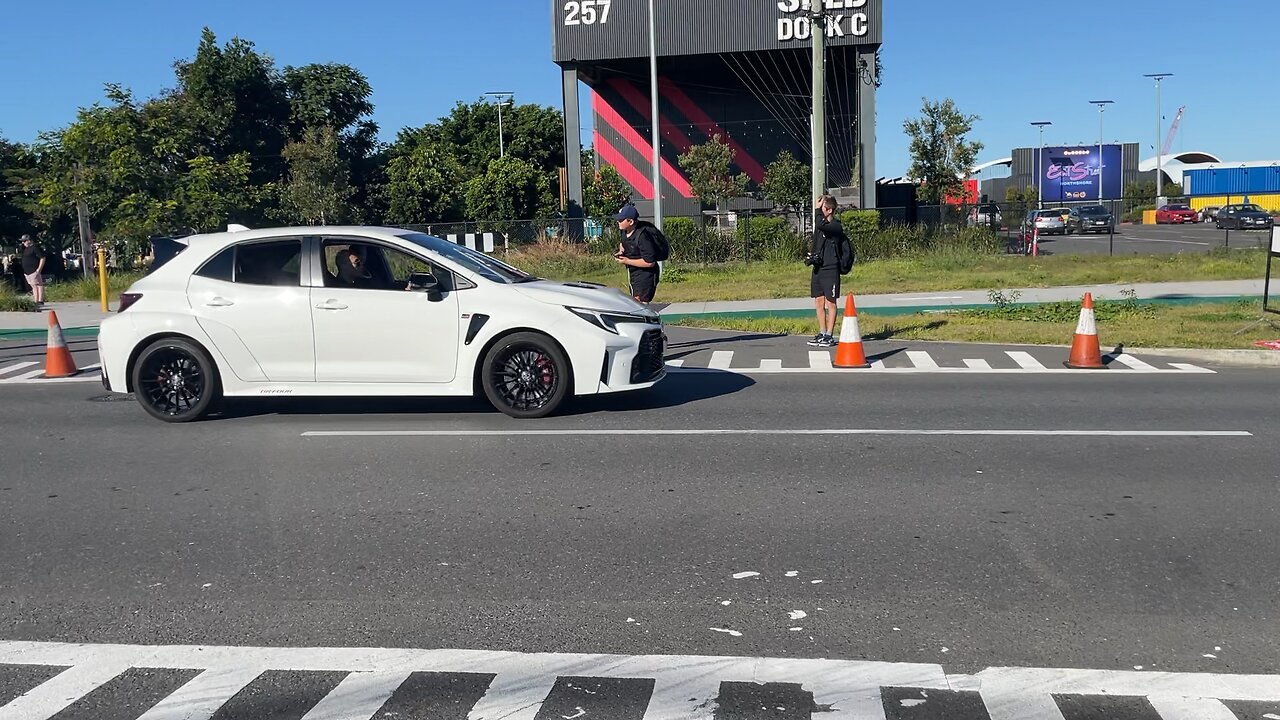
423, 282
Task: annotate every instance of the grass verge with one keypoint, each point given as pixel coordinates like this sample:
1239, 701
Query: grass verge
1132, 324
940, 271
11, 301
87, 290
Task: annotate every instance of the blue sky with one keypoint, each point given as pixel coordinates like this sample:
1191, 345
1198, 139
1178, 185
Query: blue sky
1009, 61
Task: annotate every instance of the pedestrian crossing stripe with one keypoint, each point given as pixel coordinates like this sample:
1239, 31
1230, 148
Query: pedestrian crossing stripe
671, 687
923, 362
31, 374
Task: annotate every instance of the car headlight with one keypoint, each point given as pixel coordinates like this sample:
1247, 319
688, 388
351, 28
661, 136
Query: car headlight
609, 321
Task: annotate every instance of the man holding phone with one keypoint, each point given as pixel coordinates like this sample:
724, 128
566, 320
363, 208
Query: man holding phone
638, 251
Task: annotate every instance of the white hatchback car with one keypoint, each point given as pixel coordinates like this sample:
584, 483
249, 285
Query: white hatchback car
360, 311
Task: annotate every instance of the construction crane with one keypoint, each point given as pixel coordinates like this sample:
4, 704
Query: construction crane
1173, 130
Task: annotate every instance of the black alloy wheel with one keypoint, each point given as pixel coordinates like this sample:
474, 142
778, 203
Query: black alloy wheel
526, 375
175, 381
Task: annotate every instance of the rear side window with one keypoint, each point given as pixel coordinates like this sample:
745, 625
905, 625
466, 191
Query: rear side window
220, 266
267, 263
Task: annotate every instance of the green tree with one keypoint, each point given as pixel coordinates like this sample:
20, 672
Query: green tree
709, 167
532, 133
603, 190
941, 157
318, 191
212, 194
15, 216
787, 183
510, 189
423, 185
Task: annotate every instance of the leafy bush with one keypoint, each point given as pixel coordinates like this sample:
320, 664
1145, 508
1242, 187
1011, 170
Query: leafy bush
770, 237
11, 301
860, 222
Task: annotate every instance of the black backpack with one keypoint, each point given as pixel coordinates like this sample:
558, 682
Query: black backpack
847, 258
661, 246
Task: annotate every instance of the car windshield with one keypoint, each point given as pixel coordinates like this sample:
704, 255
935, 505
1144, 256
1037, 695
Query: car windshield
1251, 208
1093, 210
1179, 207
477, 262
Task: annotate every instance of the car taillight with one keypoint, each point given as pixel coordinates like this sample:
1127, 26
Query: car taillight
127, 300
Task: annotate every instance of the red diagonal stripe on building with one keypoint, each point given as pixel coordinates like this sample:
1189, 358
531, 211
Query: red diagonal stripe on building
629, 135
703, 122
637, 100
612, 156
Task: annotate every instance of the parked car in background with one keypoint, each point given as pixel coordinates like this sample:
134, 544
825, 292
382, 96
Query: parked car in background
1065, 213
1209, 212
1048, 222
1243, 217
1090, 218
988, 215
1176, 214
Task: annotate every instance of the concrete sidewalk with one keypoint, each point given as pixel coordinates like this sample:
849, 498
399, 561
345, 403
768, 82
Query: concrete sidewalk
87, 315
903, 303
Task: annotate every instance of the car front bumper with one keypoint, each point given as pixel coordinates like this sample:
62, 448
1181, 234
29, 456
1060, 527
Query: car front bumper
634, 359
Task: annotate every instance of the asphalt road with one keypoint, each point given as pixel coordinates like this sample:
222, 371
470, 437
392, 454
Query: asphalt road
619, 527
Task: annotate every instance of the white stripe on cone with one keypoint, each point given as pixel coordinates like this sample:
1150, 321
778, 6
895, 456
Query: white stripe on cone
849, 331
1087, 325
55, 336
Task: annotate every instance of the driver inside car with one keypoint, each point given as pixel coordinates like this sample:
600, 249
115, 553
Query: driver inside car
353, 271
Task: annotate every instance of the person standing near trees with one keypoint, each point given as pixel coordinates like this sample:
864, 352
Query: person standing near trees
33, 261
643, 246
830, 257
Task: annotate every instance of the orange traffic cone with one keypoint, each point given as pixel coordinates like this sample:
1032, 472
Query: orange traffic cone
1086, 353
57, 359
849, 353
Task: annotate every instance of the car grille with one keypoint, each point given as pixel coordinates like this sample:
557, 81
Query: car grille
650, 358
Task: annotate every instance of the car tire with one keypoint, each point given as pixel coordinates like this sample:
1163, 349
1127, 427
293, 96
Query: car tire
526, 375
175, 380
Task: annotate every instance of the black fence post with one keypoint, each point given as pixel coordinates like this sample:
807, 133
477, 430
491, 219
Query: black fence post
746, 235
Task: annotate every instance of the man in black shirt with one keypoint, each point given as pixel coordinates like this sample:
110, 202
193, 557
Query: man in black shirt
33, 259
638, 251
829, 243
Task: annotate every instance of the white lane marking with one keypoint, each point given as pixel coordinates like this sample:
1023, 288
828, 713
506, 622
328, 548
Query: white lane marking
1176, 369
878, 365
720, 360
1132, 362
977, 364
15, 368
201, 697
684, 687
770, 364
922, 360
55, 695
634, 432
1185, 708
1024, 360
819, 360
28, 374
675, 363
358, 697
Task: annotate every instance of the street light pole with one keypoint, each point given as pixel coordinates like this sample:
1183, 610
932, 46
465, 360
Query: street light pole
1102, 108
503, 99
1158, 77
653, 111
1039, 163
818, 128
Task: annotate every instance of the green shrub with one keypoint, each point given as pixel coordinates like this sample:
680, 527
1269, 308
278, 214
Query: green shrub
684, 236
860, 222
770, 237
11, 301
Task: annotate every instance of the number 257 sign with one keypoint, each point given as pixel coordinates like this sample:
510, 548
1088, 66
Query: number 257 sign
587, 12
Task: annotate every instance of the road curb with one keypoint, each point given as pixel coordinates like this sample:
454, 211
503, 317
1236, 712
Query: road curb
1233, 358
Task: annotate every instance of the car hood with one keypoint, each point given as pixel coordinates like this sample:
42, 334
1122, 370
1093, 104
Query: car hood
1252, 214
584, 295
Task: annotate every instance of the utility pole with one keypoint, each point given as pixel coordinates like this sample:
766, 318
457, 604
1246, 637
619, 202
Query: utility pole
1039, 163
818, 31
1102, 108
653, 111
82, 218
503, 99
1159, 148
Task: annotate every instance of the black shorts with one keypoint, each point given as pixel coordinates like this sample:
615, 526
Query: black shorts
826, 283
644, 284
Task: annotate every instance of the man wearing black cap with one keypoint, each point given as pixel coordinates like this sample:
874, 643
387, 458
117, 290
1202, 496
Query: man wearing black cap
638, 251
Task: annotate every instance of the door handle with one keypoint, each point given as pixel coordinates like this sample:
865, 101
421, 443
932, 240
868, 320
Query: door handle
331, 305
219, 302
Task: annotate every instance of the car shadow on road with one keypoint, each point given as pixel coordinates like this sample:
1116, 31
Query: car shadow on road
679, 388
